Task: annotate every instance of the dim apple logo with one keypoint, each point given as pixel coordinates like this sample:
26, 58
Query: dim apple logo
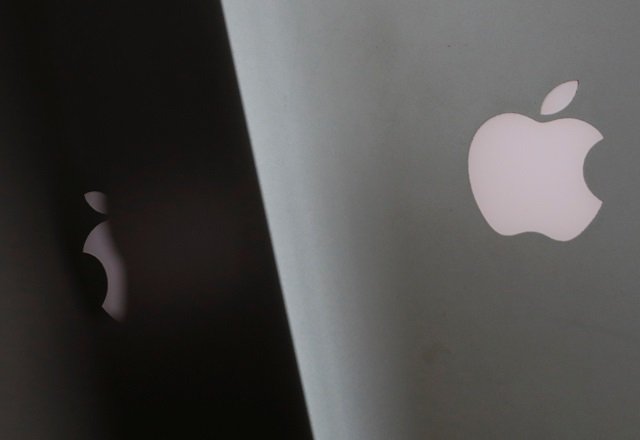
527, 176
100, 244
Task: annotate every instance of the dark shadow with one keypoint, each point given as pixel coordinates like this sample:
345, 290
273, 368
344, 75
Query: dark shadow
142, 102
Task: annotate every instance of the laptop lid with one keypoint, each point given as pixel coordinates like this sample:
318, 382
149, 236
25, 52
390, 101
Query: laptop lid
414, 312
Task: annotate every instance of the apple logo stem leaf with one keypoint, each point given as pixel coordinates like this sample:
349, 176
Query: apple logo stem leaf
559, 98
97, 201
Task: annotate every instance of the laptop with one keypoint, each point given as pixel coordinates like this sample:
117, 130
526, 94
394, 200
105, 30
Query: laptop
127, 166
451, 189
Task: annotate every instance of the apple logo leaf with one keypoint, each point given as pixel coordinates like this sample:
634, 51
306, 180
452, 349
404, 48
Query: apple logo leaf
559, 98
97, 200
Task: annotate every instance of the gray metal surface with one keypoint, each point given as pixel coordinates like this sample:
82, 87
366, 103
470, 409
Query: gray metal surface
412, 318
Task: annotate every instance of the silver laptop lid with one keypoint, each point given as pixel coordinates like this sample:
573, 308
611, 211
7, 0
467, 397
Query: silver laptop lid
414, 315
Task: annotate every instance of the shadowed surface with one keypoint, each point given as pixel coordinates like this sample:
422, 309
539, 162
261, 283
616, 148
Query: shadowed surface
141, 103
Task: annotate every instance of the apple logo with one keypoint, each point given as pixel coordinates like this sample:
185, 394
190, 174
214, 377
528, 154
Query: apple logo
100, 244
527, 176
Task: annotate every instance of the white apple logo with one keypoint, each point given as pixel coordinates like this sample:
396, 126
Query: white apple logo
527, 176
100, 244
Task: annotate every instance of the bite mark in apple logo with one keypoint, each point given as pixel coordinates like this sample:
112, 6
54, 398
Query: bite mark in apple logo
527, 176
100, 244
